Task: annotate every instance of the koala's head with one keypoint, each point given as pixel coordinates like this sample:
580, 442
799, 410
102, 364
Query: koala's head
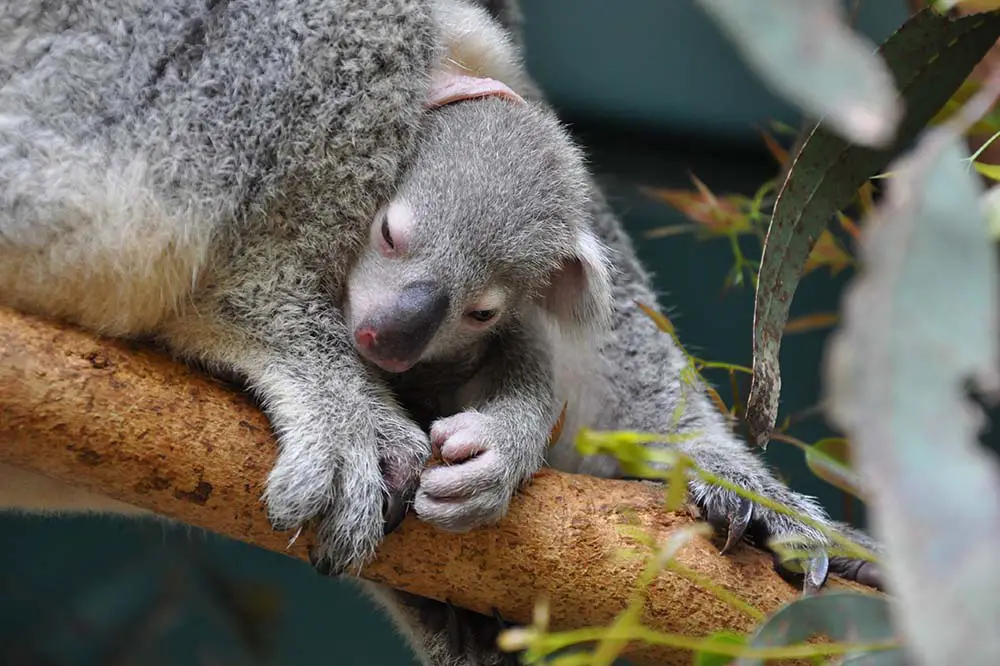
490, 222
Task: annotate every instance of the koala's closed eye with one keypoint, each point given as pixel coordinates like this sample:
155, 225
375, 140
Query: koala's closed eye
391, 229
387, 234
481, 316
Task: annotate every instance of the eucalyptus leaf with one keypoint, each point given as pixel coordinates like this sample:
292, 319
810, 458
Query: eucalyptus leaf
920, 323
846, 617
930, 56
805, 51
709, 658
830, 460
895, 657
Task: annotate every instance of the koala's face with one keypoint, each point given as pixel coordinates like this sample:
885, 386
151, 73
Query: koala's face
489, 221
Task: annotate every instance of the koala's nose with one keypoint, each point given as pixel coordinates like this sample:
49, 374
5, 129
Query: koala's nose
400, 335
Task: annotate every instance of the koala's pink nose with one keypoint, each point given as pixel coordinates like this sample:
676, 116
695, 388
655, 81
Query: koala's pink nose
365, 337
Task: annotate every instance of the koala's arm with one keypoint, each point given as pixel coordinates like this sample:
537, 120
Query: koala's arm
650, 394
271, 133
347, 452
498, 442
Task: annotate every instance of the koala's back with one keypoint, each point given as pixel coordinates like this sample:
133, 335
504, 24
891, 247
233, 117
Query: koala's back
135, 135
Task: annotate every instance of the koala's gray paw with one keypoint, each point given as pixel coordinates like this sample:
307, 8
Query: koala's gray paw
478, 475
353, 492
742, 519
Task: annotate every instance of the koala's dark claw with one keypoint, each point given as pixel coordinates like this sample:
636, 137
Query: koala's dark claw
394, 508
454, 629
509, 658
739, 521
324, 567
817, 570
808, 574
498, 616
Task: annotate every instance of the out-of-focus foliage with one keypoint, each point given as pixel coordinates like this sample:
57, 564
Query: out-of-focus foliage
920, 324
929, 56
848, 617
838, 76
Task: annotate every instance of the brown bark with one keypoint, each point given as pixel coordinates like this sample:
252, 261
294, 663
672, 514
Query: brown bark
122, 420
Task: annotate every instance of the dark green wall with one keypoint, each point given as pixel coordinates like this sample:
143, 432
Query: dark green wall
640, 80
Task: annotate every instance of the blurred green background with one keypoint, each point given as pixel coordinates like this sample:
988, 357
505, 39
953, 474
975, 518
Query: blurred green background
654, 92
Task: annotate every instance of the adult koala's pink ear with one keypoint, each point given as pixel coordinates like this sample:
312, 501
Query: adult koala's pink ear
579, 290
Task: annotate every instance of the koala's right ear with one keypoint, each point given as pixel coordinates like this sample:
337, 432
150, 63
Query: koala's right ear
579, 290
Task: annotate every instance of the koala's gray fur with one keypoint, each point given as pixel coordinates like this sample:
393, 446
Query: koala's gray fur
215, 175
203, 172
500, 230
633, 382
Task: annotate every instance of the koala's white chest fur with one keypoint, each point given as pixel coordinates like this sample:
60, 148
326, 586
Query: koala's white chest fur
96, 248
577, 367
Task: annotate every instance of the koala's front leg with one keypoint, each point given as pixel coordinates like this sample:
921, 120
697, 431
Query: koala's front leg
645, 368
488, 451
348, 453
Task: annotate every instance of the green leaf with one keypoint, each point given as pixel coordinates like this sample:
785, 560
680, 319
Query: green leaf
919, 326
848, 617
991, 208
991, 171
830, 460
708, 658
805, 52
930, 56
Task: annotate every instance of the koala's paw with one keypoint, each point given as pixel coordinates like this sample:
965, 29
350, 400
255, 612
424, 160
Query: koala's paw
478, 473
742, 519
353, 491
474, 636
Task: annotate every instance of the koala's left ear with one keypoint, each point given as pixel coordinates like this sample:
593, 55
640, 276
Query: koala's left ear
579, 291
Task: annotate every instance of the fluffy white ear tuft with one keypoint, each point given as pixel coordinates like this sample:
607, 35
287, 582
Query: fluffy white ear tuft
579, 291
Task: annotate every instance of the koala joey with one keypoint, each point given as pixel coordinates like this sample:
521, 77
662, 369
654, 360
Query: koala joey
215, 176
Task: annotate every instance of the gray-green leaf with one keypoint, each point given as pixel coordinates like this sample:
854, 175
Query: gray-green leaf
918, 323
805, 52
930, 56
844, 617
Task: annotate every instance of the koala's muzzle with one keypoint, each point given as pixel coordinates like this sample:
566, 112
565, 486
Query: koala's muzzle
395, 337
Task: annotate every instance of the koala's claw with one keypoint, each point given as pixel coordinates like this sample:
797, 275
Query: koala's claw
394, 510
813, 576
323, 565
454, 628
739, 521
456, 636
816, 571
498, 616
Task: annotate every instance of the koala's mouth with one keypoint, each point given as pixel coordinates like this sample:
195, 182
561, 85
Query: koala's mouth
391, 365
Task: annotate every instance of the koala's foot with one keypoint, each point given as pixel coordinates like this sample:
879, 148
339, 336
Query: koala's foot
353, 486
743, 520
483, 463
444, 634
475, 636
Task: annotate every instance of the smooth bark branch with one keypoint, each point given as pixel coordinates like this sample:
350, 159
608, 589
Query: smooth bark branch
127, 422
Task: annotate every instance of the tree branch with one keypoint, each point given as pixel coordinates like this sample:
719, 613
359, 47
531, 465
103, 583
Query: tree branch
122, 420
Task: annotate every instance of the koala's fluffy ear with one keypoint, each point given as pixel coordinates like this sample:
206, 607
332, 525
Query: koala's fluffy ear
579, 291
